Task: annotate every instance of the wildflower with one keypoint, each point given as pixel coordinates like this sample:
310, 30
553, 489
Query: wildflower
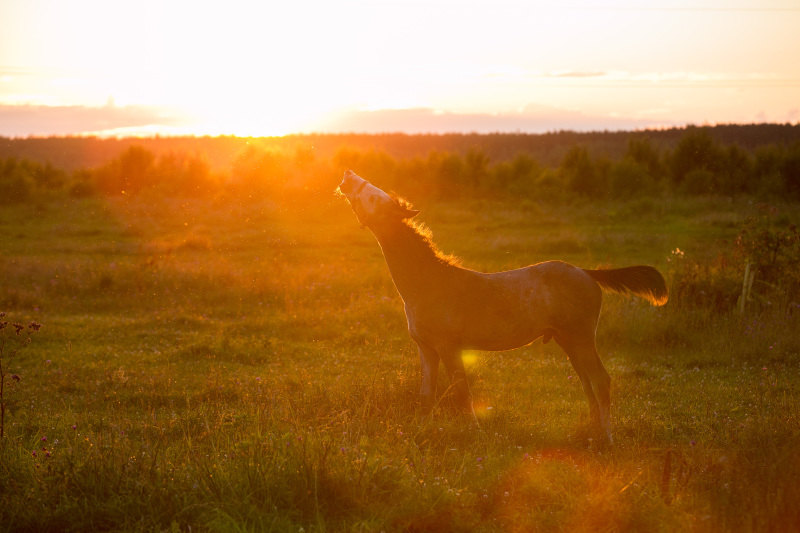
35, 326
33, 453
15, 377
44, 438
18, 327
74, 426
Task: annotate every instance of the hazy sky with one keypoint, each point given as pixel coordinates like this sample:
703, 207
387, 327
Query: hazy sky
272, 67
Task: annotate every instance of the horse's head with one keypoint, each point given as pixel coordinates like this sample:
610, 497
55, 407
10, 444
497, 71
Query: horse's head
370, 204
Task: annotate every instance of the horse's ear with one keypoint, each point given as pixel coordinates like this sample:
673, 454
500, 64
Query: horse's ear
402, 209
406, 213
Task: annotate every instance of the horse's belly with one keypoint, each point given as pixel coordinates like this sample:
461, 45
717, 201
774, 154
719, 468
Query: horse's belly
500, 339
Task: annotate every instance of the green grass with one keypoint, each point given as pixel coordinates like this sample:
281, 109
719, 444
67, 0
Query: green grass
213, 365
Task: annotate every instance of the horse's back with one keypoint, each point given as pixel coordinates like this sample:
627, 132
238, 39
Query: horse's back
570, 295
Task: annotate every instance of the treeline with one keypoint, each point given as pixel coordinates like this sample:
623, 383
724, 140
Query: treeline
697, 163
74, 153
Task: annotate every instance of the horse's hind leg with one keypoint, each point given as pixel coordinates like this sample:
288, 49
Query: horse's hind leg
596, 382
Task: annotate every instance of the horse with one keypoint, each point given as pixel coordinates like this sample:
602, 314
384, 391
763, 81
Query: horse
450, 308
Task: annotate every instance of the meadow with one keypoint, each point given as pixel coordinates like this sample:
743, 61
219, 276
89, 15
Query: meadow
230, 364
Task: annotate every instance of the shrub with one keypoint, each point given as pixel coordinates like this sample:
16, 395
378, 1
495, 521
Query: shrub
550, 185
629, 178
179, 173
772, 245
82, 185
21, 180
476, 167
257, 172
127, 174
15, 185
642, 152
712, 285
695, 151
790, 169
736, 169
517, 177
581, 175
698, 181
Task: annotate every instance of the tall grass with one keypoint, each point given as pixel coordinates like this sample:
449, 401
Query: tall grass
216, 365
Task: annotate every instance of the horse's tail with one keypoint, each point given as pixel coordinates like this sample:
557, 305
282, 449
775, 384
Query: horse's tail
644, 281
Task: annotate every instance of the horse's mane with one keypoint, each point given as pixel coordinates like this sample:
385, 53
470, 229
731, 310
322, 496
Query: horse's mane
424, 236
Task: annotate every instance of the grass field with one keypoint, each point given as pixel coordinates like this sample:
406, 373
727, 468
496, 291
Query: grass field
226, 366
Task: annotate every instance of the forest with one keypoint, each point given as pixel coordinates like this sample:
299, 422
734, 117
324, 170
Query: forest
760, 160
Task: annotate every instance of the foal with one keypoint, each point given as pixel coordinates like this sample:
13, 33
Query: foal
450, 309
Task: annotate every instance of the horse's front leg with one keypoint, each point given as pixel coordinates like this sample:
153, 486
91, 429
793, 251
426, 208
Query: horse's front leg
430, 372
458, 379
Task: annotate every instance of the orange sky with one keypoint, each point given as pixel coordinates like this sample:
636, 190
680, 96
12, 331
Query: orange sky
268, 67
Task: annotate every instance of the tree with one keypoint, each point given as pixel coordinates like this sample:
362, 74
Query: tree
581, 175
790, 170
696, 151
642, 152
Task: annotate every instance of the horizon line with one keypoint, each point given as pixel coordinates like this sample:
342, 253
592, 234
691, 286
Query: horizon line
185, 135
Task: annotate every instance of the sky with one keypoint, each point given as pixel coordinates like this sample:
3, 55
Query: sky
139, 67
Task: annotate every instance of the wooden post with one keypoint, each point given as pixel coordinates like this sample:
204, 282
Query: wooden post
747, 286
743, 297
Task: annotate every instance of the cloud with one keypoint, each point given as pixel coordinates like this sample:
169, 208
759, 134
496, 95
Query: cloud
576, 74
532, 119
39, 120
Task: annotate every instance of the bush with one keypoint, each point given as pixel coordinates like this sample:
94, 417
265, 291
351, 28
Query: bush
713, 285
790, 170
83, 185
734, 174
21, 180
581, 175
179, 173
517, 177
695, 151
771, 244
698, 181
550, 186
257, 172
127, 174
15, 188
629, 178
642, 152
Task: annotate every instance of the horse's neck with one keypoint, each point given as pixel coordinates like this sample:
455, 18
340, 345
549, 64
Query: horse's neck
413, 263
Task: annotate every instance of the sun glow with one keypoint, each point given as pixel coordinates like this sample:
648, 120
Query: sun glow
260, 68
470, 358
